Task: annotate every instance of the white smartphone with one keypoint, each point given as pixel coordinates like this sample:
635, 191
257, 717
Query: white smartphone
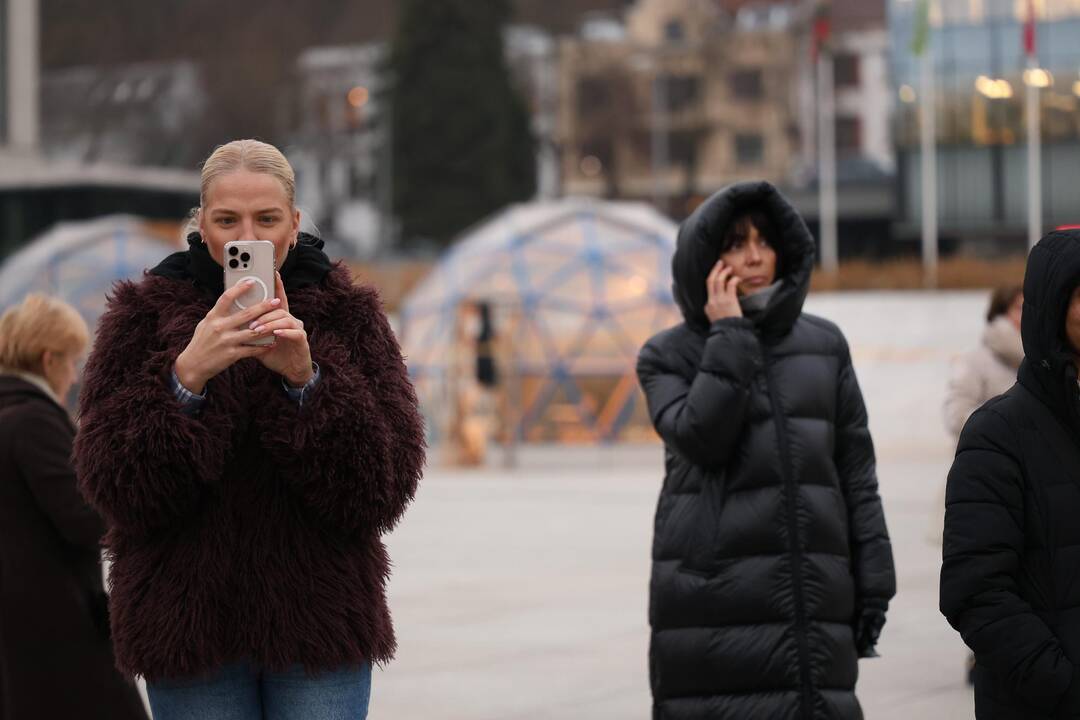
252, 259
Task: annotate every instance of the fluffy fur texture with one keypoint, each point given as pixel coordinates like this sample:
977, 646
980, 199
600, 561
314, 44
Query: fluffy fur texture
253, 529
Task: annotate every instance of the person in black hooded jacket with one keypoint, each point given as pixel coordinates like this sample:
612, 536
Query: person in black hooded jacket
772, 566
1010, 576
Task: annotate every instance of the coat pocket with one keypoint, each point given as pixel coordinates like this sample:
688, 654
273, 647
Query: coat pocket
702, 551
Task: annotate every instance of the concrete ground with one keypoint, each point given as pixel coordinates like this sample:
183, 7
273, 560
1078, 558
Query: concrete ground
522, 595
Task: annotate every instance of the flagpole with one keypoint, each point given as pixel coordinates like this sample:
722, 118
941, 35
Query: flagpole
928, 144
1034, 134
827, 162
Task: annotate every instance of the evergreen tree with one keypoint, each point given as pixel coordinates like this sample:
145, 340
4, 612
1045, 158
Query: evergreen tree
461, 138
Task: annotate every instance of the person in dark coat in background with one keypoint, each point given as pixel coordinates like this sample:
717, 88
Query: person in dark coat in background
1010, 575
772, 566
247, 488
56, 660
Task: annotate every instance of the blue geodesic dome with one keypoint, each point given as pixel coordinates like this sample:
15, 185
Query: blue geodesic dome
79, 262
576, 288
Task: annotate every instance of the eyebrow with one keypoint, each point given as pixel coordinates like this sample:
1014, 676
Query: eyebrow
227, 211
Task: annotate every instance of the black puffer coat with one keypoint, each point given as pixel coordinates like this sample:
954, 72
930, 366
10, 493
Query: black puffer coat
1010, 580
771, 555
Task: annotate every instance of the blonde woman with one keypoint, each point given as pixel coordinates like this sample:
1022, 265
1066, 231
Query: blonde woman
55, 656
247, 488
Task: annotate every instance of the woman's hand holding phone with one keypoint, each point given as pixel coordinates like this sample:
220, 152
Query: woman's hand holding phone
220, 339
723, 286
290, 355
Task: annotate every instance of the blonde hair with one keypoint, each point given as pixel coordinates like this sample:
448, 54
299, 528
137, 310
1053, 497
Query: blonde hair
37, 324
252, 155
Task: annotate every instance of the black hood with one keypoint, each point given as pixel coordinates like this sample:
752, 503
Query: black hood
305, 265
698, 249
1048, 369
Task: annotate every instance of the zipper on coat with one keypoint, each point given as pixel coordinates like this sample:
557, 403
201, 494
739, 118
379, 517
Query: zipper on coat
795, 548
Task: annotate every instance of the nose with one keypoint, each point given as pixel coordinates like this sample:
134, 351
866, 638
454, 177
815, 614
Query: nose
247, 228
754, 254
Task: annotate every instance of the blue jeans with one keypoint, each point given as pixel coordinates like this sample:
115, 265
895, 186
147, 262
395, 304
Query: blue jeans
243, 692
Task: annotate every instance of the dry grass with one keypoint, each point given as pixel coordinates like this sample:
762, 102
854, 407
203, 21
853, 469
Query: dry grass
907, 274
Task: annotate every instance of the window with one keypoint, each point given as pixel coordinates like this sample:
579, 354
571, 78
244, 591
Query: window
848, 134
749, 149
680, 91
592, 95
674, 33
846, 70
747, 84
682, 148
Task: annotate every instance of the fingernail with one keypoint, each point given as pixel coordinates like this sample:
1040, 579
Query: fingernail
259, 329
277, 332
253, 325
248, 281
275, 301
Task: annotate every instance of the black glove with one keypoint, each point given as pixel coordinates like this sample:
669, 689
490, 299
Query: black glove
869, 620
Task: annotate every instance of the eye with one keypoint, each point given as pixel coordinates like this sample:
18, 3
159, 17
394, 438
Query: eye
268, 219
225, 220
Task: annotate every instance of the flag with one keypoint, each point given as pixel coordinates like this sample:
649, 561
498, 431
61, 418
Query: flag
1029, 29
921, 36
822, 26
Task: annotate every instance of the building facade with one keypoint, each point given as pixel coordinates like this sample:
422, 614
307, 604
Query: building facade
675, 100
678, 98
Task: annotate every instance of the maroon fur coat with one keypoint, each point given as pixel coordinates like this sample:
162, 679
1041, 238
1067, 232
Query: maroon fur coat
252, 530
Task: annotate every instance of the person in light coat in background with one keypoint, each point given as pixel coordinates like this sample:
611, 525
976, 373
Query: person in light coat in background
990, 369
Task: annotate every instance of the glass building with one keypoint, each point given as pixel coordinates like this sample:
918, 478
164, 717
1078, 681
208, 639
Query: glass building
978, 54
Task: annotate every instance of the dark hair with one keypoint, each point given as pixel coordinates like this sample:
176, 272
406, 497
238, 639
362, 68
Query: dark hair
1001, 299
739, 230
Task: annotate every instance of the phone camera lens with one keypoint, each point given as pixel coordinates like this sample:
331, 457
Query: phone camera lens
233, 250
234, 264
245, 257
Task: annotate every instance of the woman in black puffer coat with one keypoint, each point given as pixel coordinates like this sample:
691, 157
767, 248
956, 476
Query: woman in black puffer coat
1010, 579
772, 567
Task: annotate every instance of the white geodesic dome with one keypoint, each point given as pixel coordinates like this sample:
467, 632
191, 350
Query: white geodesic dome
578, 285
80, 261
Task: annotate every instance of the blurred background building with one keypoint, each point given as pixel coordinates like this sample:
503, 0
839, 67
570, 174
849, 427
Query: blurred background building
979, 64
74, 144
671, 100
526, 138
675, 99
339, 147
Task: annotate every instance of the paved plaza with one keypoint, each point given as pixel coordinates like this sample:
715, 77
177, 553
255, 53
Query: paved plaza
522, 595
